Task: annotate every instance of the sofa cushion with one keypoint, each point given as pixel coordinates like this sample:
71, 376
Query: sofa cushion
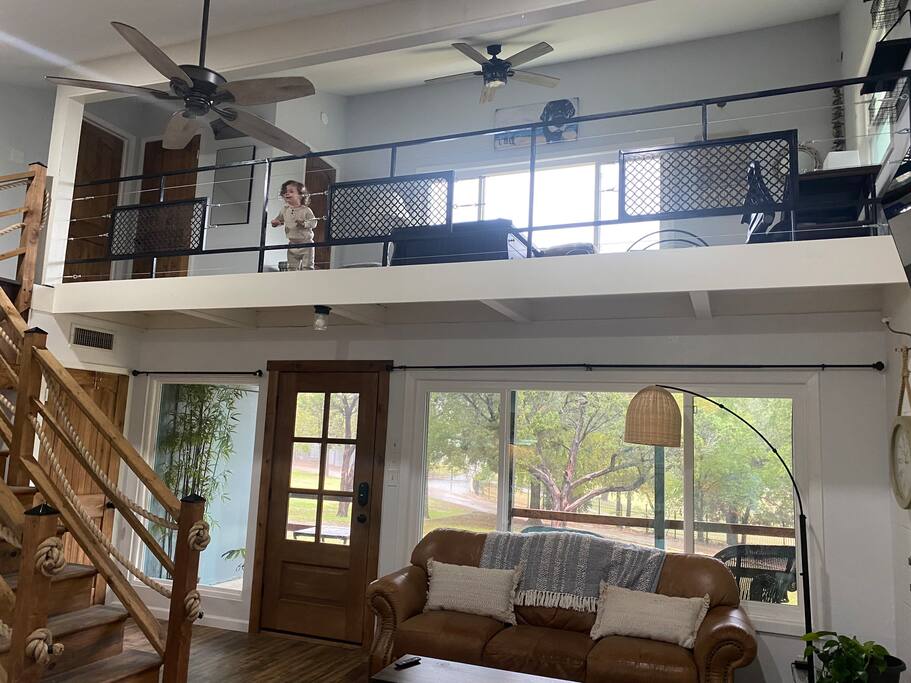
446, 635
473, 590
541, 651
622, 612
555, 617
620, 659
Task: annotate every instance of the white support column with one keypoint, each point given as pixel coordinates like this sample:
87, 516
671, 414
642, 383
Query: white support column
61, 170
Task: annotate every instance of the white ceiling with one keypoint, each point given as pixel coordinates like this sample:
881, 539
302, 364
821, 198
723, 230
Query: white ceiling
622, 29
38, 37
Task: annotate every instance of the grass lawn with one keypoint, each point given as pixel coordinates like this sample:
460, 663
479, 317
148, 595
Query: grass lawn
442, 514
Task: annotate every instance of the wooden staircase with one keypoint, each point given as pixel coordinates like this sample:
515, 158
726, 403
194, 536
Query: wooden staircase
51, 627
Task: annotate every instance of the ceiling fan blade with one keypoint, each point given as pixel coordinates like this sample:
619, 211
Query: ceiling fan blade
454, 77
113, 87
529, 54
536, 79
470, 52
268, 90
180, 131
153, 54
258, 128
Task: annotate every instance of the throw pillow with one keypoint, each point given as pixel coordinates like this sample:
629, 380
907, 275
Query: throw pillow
487, 592
624, 612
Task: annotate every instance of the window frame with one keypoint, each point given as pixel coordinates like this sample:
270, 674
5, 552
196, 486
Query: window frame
799, 386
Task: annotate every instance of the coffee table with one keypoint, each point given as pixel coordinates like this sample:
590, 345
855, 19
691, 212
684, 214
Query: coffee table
441, 671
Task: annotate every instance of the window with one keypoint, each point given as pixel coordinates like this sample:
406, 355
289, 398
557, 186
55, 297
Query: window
533, 459
204, 445
567, 194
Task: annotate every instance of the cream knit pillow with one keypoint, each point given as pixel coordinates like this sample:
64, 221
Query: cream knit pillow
488, 592
623, 612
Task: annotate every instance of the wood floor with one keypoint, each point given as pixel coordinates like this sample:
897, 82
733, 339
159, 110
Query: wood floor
221, 656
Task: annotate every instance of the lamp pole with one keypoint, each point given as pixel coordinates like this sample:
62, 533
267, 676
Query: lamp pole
801, 520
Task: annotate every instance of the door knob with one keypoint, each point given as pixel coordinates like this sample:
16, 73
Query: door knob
362, 518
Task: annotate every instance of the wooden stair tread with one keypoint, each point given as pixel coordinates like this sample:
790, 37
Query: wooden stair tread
72, 622
120, 667
20, 489
71, 571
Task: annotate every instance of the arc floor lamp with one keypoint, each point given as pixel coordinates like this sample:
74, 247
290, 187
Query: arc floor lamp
653, 419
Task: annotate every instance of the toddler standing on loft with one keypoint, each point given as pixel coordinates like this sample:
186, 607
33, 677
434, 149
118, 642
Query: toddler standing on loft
299, 222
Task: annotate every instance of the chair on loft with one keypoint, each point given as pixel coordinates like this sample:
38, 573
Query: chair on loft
667, 236
762, 226
764, 573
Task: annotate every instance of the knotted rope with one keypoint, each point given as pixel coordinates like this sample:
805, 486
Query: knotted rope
7, 535
193, 604
5, 630
40, 646
87, 520
198, 537
54, 391
9, 340
49, 558
11, 228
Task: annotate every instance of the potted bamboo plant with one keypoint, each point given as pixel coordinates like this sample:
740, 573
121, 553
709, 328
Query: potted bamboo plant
845, 659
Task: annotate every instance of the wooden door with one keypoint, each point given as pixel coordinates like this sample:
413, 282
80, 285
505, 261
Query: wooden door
323, 478
157, 159
100, 156
109, 391
319, 176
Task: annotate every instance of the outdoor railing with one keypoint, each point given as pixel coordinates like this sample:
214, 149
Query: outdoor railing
725, 167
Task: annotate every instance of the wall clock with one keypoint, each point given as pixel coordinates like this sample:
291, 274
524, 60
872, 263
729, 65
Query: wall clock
900, 460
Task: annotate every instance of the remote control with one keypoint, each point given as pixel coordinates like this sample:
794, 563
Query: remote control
405, 663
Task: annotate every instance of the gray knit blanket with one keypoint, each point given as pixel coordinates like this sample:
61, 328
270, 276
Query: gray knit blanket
564, 569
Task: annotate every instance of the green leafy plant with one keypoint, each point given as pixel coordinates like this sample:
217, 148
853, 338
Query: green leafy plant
844, 659
234, 554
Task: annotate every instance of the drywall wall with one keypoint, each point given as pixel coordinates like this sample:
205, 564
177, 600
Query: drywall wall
25, 133
853, 491
793, 54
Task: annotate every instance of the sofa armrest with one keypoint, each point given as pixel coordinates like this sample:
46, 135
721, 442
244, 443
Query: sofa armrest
726, 641
394, 598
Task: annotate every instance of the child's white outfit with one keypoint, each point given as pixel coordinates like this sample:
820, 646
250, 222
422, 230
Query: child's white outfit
299, 223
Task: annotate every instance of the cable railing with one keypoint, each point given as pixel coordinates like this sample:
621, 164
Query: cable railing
406, 158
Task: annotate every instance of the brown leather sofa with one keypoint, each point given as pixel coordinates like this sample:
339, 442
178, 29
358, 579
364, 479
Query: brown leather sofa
555, 642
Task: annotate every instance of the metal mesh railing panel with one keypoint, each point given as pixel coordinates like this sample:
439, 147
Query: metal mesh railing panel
374, 208
169, 228
706, 178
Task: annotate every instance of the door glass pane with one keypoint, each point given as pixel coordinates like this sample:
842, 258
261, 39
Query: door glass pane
336, 526
301, 517
308, 422
343, 416
569, 457
340, 467
462, 452
204, 445
305, 466
743, 500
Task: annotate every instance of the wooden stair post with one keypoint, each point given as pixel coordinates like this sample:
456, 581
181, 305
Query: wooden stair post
23, 445
30, 235
186, 568
32, 593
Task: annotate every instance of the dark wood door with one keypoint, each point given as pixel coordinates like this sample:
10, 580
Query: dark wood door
319, 176
100, 156
109, 391
157, 159
324, 487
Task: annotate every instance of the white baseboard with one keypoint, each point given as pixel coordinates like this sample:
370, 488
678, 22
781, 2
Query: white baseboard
214, 621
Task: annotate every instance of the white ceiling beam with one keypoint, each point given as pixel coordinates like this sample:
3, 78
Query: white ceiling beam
702, 305
371, 314
517, 311
241, 319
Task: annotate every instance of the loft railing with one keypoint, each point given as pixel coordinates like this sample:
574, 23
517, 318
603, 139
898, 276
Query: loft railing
524, 235
32, 215
47, 428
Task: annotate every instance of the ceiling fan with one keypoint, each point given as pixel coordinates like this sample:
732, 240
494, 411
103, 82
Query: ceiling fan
204, 90
497, 71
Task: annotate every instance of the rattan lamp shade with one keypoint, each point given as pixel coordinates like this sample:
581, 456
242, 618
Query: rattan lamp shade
653, 418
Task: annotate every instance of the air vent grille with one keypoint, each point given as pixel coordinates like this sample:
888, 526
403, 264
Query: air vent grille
96, 339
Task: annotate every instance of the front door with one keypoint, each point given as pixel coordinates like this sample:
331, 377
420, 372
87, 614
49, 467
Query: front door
324, 471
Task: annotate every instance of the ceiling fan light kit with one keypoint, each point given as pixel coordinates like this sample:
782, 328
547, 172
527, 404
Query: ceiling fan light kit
205, 92
496, 72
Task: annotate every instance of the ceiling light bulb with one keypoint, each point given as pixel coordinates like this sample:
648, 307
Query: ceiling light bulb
321, 318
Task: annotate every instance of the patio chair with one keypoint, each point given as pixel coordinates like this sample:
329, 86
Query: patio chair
764, 573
